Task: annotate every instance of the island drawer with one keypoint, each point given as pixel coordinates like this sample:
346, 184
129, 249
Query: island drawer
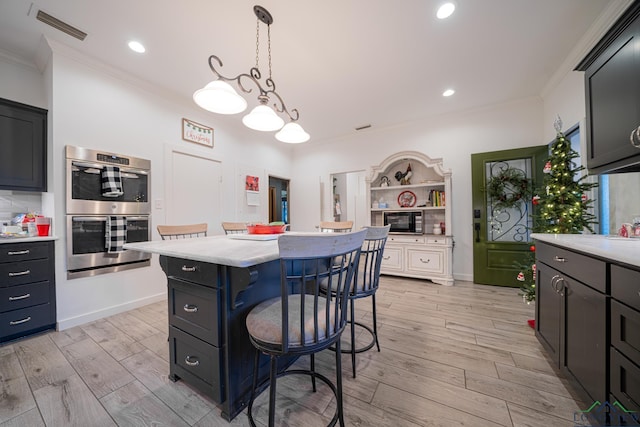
193, 271
12, 252
625, 286
197, 362
18, 273
195, 309
591, 272
16, 297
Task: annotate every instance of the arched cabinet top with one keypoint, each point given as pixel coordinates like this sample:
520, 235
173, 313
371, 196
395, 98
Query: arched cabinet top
426, 168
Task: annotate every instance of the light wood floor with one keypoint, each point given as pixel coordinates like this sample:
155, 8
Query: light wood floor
451, 356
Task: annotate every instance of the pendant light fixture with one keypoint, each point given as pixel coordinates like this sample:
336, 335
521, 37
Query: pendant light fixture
220, 97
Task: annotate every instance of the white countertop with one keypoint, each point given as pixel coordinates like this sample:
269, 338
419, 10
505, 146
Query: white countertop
619, 249
26, 239
224, 250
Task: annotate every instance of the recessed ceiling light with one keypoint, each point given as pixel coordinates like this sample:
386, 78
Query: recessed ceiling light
136, 47
445, 10
448, 92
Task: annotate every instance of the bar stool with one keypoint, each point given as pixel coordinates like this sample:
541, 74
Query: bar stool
366, 281
169, 232
303, 320
336, 226
234, 227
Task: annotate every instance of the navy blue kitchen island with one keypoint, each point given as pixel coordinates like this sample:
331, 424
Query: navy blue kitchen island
213, 282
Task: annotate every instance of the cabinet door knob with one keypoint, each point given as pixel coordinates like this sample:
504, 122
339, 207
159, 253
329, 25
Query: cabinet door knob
561, 289
559, 259
190, 362
189, 308
554, 282
635, 137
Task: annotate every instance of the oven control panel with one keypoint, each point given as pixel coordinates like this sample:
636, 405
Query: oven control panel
112, 159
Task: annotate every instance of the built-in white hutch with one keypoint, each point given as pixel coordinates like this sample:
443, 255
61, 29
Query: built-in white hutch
424, 254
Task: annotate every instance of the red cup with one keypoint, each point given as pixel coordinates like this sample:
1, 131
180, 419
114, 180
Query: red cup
43, 224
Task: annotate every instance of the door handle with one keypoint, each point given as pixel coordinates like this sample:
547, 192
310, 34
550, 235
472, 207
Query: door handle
476, 227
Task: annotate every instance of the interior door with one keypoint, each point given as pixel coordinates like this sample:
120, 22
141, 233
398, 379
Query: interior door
501, 235
193, 190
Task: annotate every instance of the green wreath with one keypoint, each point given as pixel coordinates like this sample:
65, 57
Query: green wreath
509, 187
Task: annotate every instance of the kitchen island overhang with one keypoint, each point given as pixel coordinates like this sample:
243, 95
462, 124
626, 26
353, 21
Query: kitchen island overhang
212, 284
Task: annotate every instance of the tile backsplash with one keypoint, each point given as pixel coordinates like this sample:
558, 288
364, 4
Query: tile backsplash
15, 202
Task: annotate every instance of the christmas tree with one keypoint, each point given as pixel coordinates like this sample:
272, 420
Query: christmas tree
562, 204
527, 276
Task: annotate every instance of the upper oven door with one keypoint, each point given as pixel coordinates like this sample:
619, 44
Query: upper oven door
84, 190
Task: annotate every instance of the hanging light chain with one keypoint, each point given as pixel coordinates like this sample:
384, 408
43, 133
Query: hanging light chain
269, 47
257, 42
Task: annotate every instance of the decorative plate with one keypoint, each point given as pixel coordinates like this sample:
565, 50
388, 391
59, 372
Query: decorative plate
407, 199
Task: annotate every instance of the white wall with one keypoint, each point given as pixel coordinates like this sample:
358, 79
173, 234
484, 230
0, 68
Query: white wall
452, 137
21, 82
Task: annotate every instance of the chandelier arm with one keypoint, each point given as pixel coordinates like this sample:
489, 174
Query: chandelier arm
282, 108
254, 77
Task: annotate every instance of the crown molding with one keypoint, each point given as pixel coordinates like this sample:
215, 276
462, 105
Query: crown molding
598, 29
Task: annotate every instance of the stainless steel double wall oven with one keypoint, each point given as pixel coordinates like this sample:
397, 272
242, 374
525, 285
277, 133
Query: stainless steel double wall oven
89, 211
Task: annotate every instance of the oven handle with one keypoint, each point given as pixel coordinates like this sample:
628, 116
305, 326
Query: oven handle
100, 166
104, 218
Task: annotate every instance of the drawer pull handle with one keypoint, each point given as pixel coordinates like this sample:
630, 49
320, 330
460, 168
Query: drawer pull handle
190, 362
189, 269
17, 322
25, 252
389, 257
559, 259
190, 308
425, 262
21, 273
20, 297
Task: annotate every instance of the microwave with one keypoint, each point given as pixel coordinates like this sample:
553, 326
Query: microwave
404, 221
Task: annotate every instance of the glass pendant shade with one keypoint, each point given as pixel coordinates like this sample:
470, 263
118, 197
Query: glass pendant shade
263, 118
292, 133
219, 97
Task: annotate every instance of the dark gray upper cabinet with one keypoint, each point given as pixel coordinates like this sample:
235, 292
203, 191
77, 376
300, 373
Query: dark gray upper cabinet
612, 90
23, 147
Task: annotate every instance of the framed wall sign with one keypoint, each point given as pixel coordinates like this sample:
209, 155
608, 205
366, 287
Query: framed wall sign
195, 132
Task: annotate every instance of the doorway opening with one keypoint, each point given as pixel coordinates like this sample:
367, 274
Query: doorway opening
279, 209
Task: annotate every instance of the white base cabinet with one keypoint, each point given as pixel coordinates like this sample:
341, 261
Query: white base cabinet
423, 257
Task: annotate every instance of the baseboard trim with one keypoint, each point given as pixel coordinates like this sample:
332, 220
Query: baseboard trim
110, 311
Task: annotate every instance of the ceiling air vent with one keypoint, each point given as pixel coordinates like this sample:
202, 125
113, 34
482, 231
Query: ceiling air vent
59, 25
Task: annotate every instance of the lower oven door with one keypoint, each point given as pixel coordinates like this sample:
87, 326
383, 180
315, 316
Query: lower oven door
86, 251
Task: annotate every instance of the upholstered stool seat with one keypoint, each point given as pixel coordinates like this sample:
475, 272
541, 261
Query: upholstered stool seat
303, 320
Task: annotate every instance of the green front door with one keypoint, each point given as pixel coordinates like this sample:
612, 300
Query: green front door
501, 234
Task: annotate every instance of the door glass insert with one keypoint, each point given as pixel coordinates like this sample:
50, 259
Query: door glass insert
508, 223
